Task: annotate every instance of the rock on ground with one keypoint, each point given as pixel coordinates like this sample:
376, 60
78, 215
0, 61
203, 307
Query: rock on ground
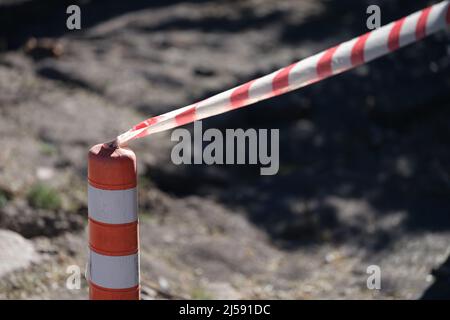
15, 252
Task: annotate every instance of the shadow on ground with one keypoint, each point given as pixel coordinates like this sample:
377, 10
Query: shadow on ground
440, 289
377, 135
20, 20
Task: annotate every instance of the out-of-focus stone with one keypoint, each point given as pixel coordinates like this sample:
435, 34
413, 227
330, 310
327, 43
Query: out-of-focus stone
15, 252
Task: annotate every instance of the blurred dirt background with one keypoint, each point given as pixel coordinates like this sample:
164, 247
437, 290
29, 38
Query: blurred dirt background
364, 157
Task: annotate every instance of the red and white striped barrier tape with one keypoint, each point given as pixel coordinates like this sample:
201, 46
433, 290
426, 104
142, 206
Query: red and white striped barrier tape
333, 61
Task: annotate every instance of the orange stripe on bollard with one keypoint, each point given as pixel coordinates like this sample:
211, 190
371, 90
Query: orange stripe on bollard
98, 293
113, 239
112, 168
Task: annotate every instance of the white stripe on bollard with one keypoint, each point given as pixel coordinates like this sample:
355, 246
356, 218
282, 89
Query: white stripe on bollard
114, 272
112, 206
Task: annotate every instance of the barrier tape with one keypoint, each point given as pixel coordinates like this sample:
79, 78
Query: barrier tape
338, 59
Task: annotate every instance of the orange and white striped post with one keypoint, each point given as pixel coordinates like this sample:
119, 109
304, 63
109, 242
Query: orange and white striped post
113, 224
